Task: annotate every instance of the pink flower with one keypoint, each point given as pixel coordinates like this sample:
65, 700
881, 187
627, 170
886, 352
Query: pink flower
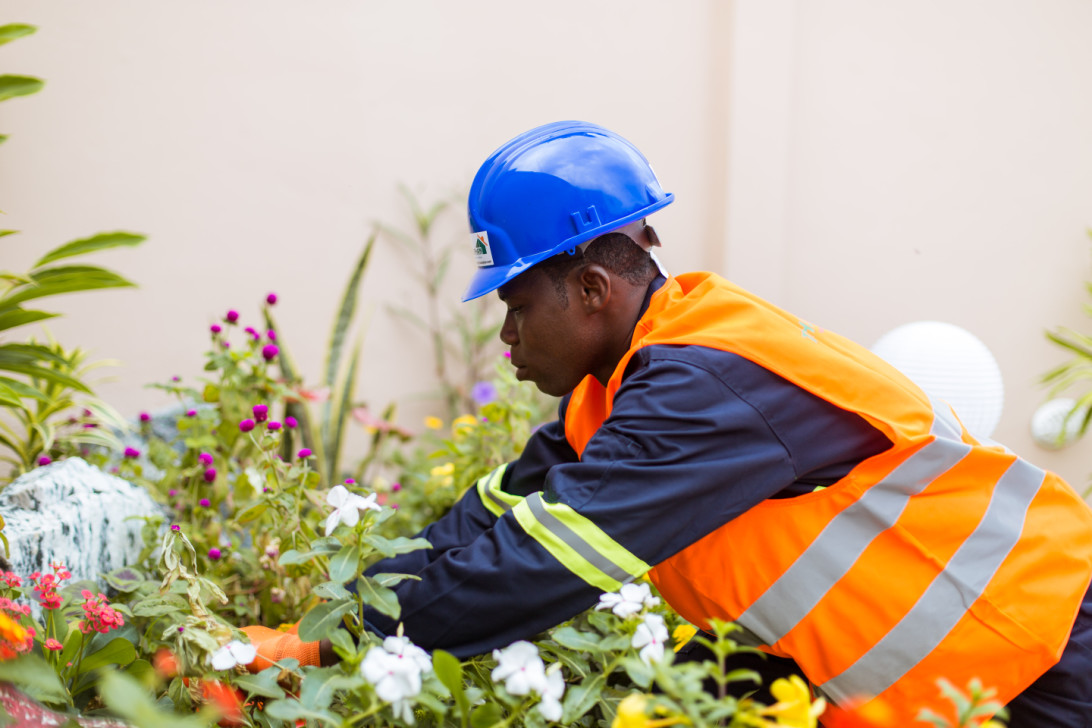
290, 422
175, 527
304, 453
205, 458
132, 452
271, 298
44, 460
191, 413
271, 334
215, 328
210, 475
144, 417
273, 426
246, 425
214, 554
232, 317
204, 502
270, 351
52, 644
261, 412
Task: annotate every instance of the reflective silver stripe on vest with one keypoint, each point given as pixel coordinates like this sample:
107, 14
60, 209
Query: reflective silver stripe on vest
845, 538
490, 488
952, 592
573, 540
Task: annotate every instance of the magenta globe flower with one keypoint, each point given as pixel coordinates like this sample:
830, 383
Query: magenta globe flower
271, 334
232, 317
191, 413
273, 426
271, 298
215, 328
215, 554
304, 453
261, 412
132, 452
205, 458
290, 422
144, 417
210, 475
270, 351
246, 425
205, 502
44, 460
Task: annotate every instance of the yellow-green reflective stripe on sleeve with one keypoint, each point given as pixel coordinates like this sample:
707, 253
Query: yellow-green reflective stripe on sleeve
493, 498
578, 543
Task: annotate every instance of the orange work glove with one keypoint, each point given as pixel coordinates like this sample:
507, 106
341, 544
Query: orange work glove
273, 646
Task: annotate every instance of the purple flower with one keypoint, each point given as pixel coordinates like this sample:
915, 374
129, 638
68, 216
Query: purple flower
250, 330
191, 413
304, 453
507, 355
214, 554
172, 493
483, 393
204, 503
180, 629
225, 344
261, 412
210, 475
271, 298
175, 527
215, 328
270, 351
132, 452
44, 460
246, 425
290, 422
205, 458
395, 487
144, 417
271, 334
176, 378
273, 426
232, 317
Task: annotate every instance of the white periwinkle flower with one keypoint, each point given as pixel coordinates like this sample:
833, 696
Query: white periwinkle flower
628, 600
395, 670
553, 690
232, 654
650, 638
347, 507
521, 669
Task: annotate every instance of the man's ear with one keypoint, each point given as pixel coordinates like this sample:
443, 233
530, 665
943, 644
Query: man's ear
595, 287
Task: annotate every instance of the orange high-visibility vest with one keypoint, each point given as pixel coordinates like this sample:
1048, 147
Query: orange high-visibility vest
939, 558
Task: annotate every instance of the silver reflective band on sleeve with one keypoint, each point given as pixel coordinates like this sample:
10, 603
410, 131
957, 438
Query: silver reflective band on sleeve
946, 600
845, 538
492, 497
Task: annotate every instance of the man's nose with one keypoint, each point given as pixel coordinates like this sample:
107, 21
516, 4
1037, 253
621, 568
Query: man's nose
508, 331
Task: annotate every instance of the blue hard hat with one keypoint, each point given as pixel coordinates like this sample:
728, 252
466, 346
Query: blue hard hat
549, 190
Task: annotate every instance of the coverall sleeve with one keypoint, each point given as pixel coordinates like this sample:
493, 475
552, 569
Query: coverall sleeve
683, 452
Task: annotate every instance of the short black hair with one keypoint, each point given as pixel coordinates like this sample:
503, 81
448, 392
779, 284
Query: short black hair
617, 252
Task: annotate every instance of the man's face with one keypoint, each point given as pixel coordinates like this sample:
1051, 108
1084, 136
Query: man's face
552, 342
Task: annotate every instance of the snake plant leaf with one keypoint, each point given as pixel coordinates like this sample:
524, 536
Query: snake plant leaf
63, 279
95, 243
345, 313
12, 31
12, 86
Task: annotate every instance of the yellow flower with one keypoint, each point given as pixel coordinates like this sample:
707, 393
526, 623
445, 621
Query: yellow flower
440, 470
12, 631
467, 421
631, 714
794, 707
683, 634
433, 423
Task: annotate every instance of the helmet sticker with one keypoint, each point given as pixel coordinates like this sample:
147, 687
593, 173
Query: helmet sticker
483, 255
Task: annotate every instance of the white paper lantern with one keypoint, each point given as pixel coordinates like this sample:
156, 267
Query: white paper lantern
950, 364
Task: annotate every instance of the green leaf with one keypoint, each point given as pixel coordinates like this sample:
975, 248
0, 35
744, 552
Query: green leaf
118, 651
293, 710
331, 590
128, 699
345, 564
11, 31
35, 677
15, 316
12, 86
574, 639
64, 279
392, 546
579, 699
345, 314
323, 619
317, 691
95, 243
450, 671
486, 715
264, 683
380, 597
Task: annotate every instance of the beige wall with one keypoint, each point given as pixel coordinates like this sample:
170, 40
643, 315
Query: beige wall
862, 164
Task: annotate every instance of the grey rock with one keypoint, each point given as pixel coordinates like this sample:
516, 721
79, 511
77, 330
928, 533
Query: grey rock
73, 513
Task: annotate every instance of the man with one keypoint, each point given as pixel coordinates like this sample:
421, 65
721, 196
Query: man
758, 468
